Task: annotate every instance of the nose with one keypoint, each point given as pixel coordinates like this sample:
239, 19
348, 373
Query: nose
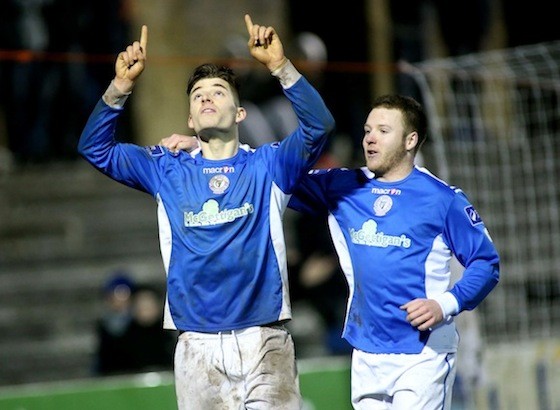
369, 138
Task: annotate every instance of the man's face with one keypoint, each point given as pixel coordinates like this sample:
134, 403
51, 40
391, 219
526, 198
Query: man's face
213, 106
384, 141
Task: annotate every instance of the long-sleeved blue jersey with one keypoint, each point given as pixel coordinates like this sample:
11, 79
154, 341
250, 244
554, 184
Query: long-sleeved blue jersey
395, 241
220, 221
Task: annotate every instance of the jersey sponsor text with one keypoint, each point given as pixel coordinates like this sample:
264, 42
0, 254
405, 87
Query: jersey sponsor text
211, 214
369, 236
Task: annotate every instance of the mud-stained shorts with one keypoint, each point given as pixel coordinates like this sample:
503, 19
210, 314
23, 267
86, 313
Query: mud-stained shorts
253, 368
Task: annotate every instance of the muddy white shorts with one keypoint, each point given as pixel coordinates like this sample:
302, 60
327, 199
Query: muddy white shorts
253, 368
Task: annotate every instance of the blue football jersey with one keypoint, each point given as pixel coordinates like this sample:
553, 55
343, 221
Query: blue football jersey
395, 241
220, 221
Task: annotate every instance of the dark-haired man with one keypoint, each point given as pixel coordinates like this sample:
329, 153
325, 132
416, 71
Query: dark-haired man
220, 226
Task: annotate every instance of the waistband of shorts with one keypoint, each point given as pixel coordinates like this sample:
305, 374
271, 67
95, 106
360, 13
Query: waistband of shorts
276, 325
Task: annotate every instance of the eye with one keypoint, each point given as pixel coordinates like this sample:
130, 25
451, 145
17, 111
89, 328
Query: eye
219, 93
196, 96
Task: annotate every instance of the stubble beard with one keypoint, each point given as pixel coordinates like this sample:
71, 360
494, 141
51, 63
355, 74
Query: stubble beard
387, 163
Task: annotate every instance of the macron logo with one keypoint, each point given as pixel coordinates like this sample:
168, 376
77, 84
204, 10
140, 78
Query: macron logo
385, 191
218, 170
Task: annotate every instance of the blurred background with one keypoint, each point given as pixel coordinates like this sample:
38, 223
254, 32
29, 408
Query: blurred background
79, 253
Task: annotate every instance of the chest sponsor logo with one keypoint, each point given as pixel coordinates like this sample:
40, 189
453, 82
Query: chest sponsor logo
212, 215
369, 236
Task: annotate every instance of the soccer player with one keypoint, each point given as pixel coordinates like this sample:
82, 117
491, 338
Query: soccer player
220, 213
396, 227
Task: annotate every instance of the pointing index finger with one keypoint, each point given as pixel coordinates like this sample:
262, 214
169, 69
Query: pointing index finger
144, 39
249, 24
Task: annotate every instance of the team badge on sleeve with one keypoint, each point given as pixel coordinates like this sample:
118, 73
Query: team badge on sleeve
473, 216
155, 150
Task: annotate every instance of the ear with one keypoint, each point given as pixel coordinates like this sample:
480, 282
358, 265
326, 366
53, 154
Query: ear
411, 141
190, 122
240, 115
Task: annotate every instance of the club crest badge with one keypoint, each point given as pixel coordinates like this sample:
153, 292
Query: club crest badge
218, 184
382, 205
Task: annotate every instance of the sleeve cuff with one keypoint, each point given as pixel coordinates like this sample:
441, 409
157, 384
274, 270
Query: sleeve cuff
448, 304
287, 74
115, 98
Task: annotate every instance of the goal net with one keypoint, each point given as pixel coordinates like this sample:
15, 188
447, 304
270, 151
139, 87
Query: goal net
495, 133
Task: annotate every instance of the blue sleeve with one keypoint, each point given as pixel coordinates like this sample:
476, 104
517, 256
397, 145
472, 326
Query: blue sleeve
297, 153
309, 196
129, 164
470, 242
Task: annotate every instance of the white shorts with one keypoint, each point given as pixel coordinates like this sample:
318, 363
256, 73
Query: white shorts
253, 368
402, 381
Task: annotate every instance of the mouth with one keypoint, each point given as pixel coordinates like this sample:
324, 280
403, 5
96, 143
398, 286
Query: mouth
370, 153
208, 111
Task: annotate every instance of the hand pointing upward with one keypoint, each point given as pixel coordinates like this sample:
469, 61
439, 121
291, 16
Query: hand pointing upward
130, 63
264, 44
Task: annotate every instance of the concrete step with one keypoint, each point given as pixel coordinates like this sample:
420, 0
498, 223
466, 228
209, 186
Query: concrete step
63, 230
71, 214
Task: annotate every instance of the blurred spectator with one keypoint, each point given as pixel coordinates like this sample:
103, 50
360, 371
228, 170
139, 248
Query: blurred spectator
111, 356
45, 95
130, 334
25, 96
150, 346
98, 29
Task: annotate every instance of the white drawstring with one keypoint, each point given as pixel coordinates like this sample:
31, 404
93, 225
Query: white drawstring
223, 354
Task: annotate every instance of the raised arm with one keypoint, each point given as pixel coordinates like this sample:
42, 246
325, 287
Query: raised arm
129, 164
